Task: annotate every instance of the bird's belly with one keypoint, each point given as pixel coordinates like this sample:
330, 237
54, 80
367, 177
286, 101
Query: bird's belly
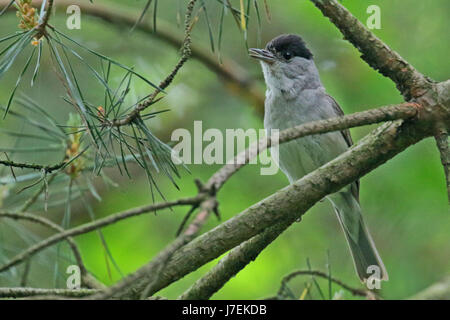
302, 156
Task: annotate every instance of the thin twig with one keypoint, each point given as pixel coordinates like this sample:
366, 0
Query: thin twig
372, 116
41, 28
36, 195
238, 80
185, 55
152, 270
354, 291
48, 169
30, 292
47, 223
94, 225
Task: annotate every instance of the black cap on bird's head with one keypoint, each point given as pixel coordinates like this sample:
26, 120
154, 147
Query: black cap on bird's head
284, 47
289, 46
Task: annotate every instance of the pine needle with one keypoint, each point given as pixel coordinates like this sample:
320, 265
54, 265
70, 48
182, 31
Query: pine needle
243, 19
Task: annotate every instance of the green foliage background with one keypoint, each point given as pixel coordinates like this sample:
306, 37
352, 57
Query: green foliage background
404, 201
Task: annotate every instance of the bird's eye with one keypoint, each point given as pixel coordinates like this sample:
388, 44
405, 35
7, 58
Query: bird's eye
287, 55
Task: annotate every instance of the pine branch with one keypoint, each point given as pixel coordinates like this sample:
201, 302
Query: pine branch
185, 55
236, 260
238, 80
41, 28
47, 169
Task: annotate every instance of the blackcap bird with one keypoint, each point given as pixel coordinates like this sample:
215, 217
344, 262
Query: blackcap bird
295, 95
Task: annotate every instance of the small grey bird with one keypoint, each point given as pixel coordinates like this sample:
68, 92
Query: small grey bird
295, 95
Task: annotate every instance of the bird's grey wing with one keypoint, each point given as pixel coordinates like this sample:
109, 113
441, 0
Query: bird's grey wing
348, 139
340, 113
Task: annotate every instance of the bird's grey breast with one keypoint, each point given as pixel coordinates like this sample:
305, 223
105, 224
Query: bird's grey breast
301, 156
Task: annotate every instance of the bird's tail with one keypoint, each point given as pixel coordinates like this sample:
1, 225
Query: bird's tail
360, 242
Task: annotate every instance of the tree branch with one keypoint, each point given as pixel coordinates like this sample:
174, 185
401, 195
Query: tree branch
382, 114
242, 255
410, 82
47, 169
444, 150
353, 291
185, 54
230, 265
153, 270
30, 292
97, 224
41, 28
288, 204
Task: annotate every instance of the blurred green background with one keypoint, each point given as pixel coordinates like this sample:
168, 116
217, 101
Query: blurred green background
404, 201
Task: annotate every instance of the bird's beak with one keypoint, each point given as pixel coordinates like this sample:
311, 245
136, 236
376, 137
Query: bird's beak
263, 55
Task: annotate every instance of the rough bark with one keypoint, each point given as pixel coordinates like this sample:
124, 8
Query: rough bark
234, 262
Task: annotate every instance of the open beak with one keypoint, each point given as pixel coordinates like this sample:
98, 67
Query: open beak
262, 54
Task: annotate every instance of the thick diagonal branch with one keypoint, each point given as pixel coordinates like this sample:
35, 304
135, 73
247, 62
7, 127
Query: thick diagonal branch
376, 53
229, 266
